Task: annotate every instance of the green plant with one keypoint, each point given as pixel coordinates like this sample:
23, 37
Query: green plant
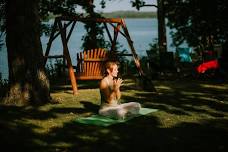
3, 86
153, 52
55, 70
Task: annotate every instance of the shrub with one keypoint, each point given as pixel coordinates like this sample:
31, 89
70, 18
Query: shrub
3, 86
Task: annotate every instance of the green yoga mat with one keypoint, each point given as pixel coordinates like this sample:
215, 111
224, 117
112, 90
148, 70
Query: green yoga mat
99, 120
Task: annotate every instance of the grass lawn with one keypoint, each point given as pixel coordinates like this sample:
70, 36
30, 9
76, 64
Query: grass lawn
192, 116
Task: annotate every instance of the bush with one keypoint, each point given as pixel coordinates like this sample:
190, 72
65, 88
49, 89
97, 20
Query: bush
3, 86
55, 70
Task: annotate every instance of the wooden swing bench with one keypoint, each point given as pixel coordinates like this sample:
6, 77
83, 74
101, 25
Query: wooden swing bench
90, 64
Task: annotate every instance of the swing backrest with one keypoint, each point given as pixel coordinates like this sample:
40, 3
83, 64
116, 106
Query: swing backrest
90, 64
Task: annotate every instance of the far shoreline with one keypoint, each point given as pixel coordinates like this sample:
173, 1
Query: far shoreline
129, 14
119, 14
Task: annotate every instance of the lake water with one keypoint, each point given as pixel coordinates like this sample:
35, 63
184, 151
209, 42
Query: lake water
142, 32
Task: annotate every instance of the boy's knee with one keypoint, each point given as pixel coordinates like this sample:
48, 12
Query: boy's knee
121, 113
136, 108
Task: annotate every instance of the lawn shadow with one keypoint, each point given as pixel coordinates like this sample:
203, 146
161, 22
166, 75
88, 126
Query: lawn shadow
141, 134
145, 133
67, 87
193, 98
90, 106
17, 129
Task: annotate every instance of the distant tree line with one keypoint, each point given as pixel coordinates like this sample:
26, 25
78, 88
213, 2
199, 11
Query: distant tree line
130, 14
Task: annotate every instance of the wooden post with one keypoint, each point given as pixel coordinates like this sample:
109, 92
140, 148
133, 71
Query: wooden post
109, 34
130, 43
50, 42
145, 81
116, 31
67, 56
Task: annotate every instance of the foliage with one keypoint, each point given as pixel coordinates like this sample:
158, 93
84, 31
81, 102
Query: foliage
137, 4
152, 52
2, 21
56, 7
3, 86
195, 21
2, 15
55, 70
94, 38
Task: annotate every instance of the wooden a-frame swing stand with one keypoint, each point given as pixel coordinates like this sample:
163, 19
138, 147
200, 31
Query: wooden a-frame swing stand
60, 28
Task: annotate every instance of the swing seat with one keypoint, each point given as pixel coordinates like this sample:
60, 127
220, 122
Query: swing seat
90, 64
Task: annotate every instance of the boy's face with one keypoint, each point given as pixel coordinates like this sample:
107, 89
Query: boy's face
114, 71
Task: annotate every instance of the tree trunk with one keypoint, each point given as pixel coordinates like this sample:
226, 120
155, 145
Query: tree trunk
162, 42
27, 78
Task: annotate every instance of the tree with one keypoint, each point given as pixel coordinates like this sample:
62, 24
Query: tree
94, 37
162, 42
2, 21
194, 21
28, 82
27, 78
199, 23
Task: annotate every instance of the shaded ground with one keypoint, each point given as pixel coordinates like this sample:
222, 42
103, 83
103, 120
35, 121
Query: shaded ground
192, 116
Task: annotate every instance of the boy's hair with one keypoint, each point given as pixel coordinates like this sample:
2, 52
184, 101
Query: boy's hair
109, 65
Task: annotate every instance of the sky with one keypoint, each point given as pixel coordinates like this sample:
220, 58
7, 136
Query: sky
117, 5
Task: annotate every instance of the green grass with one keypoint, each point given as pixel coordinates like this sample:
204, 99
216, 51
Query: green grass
192, 116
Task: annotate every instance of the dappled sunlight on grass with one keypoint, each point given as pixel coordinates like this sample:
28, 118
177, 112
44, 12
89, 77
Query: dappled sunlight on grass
210, 99
190, 114
219, 87
162, 87
87, 138
192, 93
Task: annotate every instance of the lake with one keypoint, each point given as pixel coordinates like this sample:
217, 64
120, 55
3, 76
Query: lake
142, 32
